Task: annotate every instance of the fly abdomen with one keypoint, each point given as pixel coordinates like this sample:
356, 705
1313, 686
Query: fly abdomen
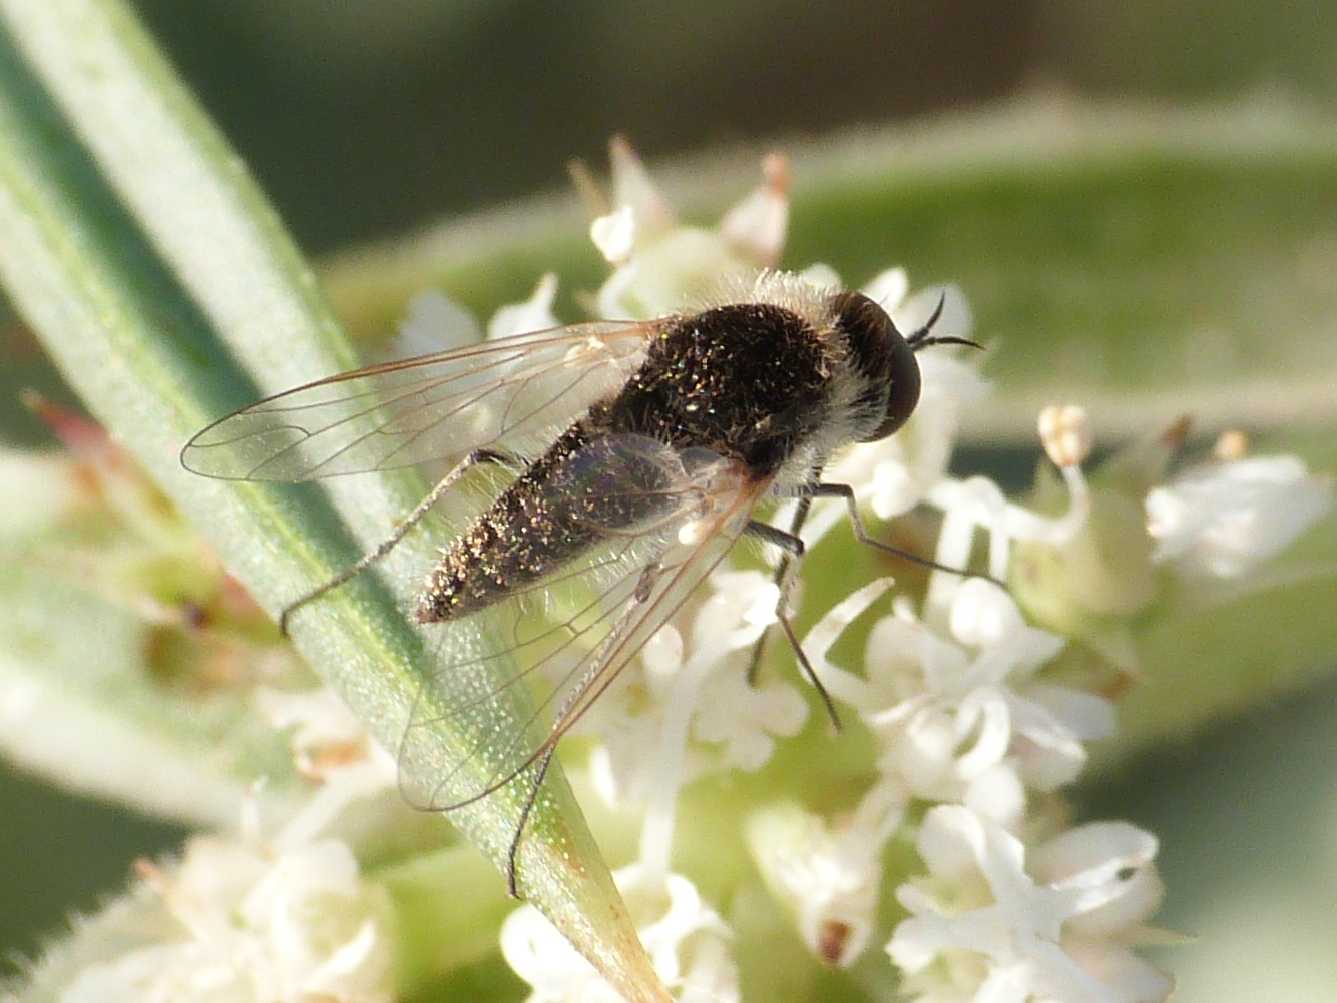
586, 488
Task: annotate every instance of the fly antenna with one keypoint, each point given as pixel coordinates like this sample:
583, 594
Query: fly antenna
920, 339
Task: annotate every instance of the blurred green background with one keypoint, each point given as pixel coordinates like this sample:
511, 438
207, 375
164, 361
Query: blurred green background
365, 120
361, 119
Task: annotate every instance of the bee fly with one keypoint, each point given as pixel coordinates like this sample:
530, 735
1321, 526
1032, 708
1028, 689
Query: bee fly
636, 453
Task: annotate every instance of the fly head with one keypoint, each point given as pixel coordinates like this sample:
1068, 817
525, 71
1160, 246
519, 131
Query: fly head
883, 357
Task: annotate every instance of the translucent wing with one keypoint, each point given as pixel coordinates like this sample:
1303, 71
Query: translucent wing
432, 407
566, 638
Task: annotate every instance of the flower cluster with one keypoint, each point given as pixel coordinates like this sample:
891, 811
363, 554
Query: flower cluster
974, 727
237, 921
943, 858
989, 923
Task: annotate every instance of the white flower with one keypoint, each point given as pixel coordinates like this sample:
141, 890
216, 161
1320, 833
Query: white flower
691, 683
960, 717
659, 265
743, 719
1065, 432
614, 235
828, 874
1020, 936
687, 942
250, 927
1224, 519
533, 314
635, 189
329, 745
325, 734
1102, 939
434, 323
757, 226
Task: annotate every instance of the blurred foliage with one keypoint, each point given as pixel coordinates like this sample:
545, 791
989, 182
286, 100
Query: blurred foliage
363, 118
1146, 265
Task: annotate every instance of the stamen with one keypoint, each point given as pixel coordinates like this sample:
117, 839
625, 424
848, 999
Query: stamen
1231, 445
1065, 432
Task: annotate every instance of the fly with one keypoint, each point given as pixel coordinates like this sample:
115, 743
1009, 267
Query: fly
632, 457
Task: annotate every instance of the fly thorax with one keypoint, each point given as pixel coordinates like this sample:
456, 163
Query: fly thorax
749, 381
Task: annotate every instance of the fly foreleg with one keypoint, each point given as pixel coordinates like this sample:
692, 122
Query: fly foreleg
781, 576
385, 546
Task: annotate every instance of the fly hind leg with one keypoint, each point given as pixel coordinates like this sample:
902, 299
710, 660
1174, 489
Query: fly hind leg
640, 595
513, 852
385, 546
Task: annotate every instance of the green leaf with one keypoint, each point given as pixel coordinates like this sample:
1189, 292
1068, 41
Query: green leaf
165, 288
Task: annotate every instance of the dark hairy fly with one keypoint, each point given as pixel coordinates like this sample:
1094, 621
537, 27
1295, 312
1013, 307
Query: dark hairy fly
638, 454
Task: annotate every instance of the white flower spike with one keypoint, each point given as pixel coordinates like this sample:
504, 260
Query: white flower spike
253, 927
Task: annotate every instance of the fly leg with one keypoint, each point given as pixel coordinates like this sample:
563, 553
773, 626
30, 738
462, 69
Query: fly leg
781, 576
822, 490
388, 544
512, 888
793, 547
639, 596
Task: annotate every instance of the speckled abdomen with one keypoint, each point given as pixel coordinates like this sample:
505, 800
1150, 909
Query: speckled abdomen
587, 488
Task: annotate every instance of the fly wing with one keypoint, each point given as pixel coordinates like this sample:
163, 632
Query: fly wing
514, 391
566, 638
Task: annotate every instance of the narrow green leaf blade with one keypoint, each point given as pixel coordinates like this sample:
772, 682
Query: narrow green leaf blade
166, 290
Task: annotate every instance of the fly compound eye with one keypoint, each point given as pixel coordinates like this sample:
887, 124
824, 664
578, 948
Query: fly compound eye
902, 388
883, 357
